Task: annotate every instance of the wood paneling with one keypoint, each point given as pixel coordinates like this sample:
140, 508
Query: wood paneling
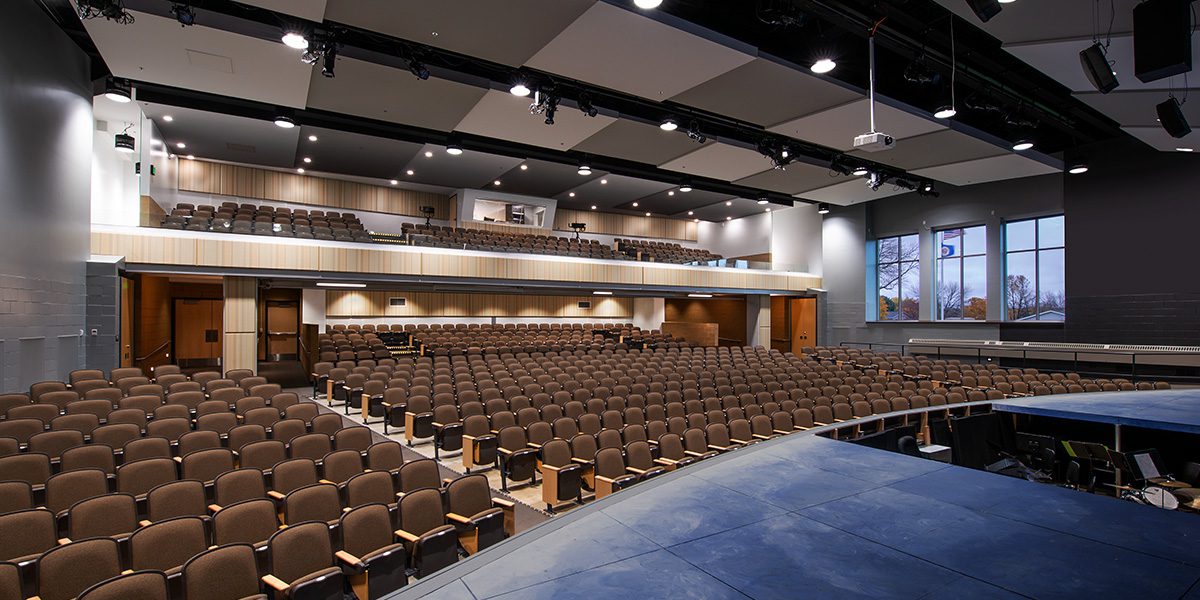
626, 225
151, 213
152, 328
370, 304
249, 182
163, 247
704, 334
241, 324
728, 313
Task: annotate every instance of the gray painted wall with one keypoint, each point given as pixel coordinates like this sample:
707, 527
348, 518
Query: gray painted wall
847, 231
45, 175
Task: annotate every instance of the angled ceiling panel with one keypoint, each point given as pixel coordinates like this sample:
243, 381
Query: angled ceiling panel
996, 168
1060, 19
798, 177
675, 203
1136, 108
765, 93
851, 192
937, 148
736, 209
505, 116
507, 32
836, 127
312, 10
223, 137
468, 170
720, 161
201, 58
1157, 138
638, 142
355, 154
543, 179
623, 50
607, 192
379, 92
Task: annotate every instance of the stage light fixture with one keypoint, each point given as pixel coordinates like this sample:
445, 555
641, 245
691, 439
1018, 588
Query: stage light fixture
284, 122
124, 143
762, 199
729, 203
168, 118
860, 171
945, 112
394, 182
668, 125
1077, 167
312, 138
647, 4
183, 13
519, 87
584, 169
823, 208
294, 38
686, 187
453, 150
585, 105
418, 69
113, 10
1022, 144
329, 59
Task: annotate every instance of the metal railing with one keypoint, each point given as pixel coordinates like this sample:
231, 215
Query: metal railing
1002, 352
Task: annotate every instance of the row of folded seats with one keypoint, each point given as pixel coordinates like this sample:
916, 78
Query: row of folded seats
419, 234
665, 252
990, 378
507, 327
168, 484
231, 217
501, 412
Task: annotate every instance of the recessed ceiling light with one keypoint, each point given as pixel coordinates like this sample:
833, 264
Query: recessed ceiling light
668, 125
180, 145
312, 138
295, 39
394, 182
635, 204
584, 170
690, 213
1184, 149
453, 150
299, 170
695, 220
428, 154
647, 4
168, 118
572, 194
859, 172
728, 218
763, 200
593, 207
685, 188
341, 285
284, 122
823, 208
409, 172
191, 157
647, 214
496, 182
117, 92
945, 112
1077, 167
603, 182
524, 167
1007, 1
519, 89
307, 160
1022, 145
768, 209
600, 293
729, 203
823, 65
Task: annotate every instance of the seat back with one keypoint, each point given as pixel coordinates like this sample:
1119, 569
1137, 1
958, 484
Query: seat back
37, 529
224, 572
109, 515
65, 489
176, 499
300, 550
66, 571
317, 502
247, 522
421, 473
167, 544
240, 484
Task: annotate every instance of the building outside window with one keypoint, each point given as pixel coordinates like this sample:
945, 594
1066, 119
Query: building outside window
961, 274
1034, 278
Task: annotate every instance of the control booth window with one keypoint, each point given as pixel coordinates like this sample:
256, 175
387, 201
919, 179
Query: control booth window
961, 271
1034, 287
899, 278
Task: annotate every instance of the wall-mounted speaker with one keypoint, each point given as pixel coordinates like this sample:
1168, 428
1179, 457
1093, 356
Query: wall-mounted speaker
985, 9
1170, 115
1162, 39
1096, 67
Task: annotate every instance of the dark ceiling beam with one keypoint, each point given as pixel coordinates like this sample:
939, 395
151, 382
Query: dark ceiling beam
395, 52
172, 96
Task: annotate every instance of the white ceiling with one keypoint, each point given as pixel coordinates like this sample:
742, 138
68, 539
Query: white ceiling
505, 116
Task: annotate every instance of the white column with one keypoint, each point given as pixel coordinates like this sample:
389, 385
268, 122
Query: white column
649, 313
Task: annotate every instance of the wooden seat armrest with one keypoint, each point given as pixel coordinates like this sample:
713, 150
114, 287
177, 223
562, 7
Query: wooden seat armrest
435, 423
276, 495
178, 459
502, 503
690, 453
446, 480
582, 461
799, 428
406, 536
635, 470
718, 448
744, 442
604, 479
214, 508
326, 481
64, 541
764, 437
386, 404
504, 451
144, 522
275, 583
551, 467
820, 424
349, 559
666, 462
780, 431
468, 438
534, 446
457, 517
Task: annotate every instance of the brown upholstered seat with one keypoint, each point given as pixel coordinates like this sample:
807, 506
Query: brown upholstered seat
301, 563
224, 572
66, 571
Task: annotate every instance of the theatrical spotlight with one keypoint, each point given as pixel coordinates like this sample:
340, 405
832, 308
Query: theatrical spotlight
693, 132
586, 106
417, 68
328, 58
183, 13
113, 10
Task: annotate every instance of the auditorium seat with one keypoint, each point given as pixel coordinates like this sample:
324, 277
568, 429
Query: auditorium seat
430, 543
66, 571
142, 585
301, 563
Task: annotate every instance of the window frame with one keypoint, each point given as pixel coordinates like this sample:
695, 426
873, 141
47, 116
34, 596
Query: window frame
962, 261
900, 279
1037, 251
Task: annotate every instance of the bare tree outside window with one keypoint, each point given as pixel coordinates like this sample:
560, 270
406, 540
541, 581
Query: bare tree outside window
1034, 270
899, 278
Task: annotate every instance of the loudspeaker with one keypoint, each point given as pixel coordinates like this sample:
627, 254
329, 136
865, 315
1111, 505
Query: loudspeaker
985, 9
1162, 39
1172, 119
1096, 67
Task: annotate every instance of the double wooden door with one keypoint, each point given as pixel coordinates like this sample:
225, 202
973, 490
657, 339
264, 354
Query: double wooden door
198, 326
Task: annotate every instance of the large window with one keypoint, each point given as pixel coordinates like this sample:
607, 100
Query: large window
1034, 287
962, 274
899, 278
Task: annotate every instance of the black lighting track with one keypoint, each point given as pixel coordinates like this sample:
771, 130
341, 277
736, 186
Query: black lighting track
398, 53
172, 96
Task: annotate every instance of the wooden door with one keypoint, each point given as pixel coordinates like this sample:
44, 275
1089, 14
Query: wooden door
283, 335
197, 338
125, 344
804, 323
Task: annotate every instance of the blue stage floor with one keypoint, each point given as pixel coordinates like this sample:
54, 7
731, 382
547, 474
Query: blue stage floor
1172, 410
808, 517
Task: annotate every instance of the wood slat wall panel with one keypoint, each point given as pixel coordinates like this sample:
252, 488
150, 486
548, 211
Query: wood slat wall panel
239, 349
626, 225
249, 182
267, 254
374, 304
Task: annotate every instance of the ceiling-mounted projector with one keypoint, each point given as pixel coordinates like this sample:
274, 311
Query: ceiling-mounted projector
874, 142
